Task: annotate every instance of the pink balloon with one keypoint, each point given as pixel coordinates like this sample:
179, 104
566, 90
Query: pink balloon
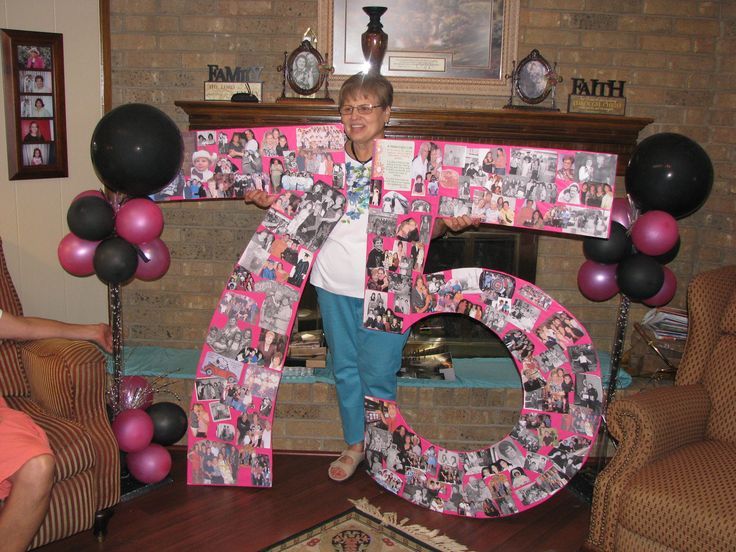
135, 392
150, 465
76, 255
86, 193
158, 263
666, 292
621, 211
139, 221
133, 430
654, 233
597, 281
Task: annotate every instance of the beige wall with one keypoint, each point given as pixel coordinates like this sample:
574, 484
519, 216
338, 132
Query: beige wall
677, 57
33, 212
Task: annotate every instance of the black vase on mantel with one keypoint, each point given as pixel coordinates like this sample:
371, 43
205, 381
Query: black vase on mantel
374, 41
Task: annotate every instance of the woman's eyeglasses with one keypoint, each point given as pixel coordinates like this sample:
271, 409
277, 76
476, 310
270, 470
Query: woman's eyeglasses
364, 109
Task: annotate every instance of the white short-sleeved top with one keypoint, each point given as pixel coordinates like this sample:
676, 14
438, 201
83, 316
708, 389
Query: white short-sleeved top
340, 265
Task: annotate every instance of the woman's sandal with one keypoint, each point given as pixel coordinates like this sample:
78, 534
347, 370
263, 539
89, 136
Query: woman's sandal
348, 469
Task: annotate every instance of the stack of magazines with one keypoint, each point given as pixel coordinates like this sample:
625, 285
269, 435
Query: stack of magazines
666, 323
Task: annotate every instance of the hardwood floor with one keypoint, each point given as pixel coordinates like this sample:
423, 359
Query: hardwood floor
181, 517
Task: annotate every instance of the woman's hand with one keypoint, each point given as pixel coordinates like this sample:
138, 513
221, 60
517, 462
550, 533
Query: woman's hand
259, 198
454, 224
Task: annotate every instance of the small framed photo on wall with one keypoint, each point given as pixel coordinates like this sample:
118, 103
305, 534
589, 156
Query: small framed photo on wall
35, 116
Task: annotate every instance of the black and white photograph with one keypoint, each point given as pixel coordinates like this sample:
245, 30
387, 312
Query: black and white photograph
536, 296
536, 164
523, 315
225, 432
219, 411
495, 320
589, 392
583, 358
209, 389
535, 462
229, 339
518, 344
530, 494
395, 203
599, 168
554, 357
381, 224
277, 308
568, 456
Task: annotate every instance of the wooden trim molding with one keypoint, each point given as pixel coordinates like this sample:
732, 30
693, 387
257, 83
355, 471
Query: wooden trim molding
608, 134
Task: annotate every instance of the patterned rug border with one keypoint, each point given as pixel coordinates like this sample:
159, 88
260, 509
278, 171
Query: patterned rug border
410, 536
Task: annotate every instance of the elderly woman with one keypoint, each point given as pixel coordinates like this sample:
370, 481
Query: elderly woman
364, 362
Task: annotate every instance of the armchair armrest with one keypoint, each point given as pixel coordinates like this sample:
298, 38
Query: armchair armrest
657, 422
66, 378
647, 426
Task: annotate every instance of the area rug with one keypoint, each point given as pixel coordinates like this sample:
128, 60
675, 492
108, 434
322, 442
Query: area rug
364, 528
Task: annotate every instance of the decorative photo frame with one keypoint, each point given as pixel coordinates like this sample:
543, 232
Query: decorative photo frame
35, 115
417, 66
530, 78
302, 69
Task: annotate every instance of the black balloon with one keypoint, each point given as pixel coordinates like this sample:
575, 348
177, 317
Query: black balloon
639, 276
669, 172
169, 422
610, 251
137, 149
115, 261
668, 257
91, 218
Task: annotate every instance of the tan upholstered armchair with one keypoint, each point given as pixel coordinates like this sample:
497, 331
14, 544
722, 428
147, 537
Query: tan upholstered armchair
672, 483
61, 385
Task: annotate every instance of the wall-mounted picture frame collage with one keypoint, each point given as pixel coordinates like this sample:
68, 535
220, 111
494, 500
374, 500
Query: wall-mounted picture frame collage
33, 68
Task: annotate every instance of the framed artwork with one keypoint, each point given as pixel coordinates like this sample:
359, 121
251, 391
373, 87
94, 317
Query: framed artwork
35, 116
463, 47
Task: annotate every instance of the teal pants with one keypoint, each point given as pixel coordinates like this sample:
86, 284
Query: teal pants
364, 362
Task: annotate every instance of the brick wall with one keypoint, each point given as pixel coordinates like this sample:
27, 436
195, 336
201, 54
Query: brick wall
677, 57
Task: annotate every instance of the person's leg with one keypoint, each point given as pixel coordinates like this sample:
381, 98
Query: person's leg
338, 319
26, 506
339, 322
379, 358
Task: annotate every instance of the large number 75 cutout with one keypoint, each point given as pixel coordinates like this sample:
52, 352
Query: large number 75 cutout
240, 367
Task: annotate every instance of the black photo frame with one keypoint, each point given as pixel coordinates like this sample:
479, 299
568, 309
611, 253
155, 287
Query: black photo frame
33, 65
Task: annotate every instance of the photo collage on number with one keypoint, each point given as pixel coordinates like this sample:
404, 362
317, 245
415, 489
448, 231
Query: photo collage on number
36, 96
246, 344
412, 183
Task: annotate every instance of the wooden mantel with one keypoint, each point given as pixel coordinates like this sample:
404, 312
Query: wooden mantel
549, 129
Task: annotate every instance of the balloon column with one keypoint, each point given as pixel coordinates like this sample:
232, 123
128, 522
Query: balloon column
136, 150
668, 177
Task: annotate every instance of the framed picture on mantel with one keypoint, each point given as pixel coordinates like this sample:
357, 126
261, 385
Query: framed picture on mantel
35, 118
464, 47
